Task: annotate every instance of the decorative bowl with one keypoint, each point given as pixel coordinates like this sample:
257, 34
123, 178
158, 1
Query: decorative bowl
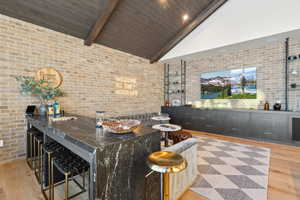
120, 126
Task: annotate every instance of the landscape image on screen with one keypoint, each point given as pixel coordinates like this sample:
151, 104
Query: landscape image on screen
232, 84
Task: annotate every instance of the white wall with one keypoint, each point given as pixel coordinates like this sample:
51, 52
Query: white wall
240, 21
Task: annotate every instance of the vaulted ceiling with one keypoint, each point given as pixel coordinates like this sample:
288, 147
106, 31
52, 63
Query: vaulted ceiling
146, 28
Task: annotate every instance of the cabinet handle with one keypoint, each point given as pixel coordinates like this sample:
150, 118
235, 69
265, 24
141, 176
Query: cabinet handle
234, 129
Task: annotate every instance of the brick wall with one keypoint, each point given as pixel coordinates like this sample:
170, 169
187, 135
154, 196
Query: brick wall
94, 78
270, 63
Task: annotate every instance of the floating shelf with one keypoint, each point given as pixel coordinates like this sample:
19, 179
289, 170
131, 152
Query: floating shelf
294, 89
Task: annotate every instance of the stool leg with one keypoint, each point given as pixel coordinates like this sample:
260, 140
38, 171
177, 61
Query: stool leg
166, 139
40, 163
50, 175
29, 159
37, 161
166, 186
66, 186
34, 154
89, 181
31, 151
83, 179
42, 170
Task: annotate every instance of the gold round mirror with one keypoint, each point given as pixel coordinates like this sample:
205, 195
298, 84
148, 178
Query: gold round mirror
51, 75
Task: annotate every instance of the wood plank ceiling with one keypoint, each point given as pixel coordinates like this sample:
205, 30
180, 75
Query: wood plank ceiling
146, 28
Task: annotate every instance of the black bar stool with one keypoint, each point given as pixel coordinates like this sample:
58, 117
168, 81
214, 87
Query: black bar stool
31, 154
38, 142
70, 165
50, 150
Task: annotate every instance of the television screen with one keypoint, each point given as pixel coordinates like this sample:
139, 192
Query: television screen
231, 84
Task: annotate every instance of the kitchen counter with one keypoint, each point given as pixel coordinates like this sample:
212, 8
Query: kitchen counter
117, 162
247, 123
238, 110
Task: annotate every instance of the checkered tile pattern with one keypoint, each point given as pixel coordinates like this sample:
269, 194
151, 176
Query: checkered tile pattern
231, 171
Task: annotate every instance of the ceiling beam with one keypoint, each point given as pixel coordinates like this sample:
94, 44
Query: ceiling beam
101, 22
200, 18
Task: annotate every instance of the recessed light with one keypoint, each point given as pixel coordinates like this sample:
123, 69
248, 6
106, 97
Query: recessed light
185, 17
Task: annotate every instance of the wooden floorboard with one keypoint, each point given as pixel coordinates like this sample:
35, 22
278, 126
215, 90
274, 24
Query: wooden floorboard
17, 181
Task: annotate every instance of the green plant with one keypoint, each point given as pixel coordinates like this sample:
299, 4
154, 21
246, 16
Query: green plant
40, 89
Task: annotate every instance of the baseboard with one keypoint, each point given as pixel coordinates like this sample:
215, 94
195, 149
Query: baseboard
12, 160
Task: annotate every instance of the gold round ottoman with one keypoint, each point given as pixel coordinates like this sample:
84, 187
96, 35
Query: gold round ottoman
166, 162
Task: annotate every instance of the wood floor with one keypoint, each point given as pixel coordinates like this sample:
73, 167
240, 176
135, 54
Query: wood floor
17, 181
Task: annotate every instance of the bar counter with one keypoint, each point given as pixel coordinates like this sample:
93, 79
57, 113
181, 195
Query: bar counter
117, 162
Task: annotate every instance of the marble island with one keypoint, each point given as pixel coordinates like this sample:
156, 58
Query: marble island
117, 162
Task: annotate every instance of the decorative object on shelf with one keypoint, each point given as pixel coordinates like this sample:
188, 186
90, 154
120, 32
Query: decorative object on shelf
277, 106
294, 73
167, 103
39, 89
50, 110
56, 109
294, 57
122, 126
293, 85
50, 75
267, 106
176, 102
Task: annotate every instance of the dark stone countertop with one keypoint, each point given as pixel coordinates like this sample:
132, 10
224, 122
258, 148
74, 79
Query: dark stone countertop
84, 130
289, 112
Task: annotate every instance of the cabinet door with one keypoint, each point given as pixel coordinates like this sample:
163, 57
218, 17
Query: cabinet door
237, 123
191, 119
268, 126
261, 125
280, 127
213, 121
178, 116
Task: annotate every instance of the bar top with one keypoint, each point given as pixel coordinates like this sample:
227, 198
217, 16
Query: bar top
83, 130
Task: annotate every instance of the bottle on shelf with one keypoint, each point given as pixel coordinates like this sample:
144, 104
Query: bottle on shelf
56, 109
267, 106
50, 110
277, 106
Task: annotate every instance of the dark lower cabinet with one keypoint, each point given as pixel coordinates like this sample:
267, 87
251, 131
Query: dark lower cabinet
261, 125
296, 128
269, 126
237, 124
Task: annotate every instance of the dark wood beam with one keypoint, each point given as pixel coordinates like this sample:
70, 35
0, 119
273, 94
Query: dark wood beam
101, 22
200, 18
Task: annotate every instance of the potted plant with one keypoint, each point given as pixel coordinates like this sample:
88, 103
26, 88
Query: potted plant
40, 89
